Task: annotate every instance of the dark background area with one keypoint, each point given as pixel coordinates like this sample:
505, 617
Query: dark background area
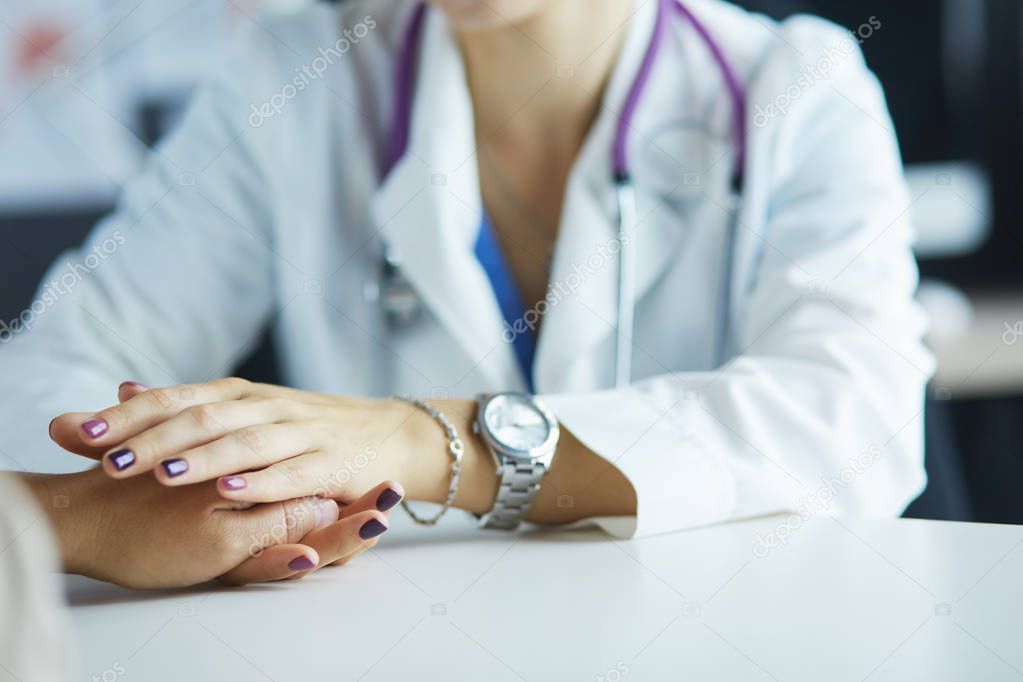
974, 453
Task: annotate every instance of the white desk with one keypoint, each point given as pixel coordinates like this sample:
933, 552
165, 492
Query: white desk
876, 600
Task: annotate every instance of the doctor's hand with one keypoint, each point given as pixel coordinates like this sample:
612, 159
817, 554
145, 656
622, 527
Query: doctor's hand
266, 443
262, 443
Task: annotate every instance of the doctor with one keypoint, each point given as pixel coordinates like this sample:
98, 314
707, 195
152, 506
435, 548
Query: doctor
677, 234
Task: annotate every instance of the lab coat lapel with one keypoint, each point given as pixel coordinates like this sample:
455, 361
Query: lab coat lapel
576, 347
428, 210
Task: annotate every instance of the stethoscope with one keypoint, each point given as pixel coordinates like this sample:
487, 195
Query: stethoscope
399, 303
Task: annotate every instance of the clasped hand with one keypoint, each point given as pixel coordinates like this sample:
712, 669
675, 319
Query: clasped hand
255, 454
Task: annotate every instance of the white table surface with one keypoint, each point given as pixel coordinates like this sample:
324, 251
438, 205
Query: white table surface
841, 600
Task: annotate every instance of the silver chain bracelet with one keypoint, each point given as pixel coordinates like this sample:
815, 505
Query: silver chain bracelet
455, 448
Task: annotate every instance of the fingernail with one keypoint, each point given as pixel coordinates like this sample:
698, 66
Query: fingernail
326, 512
49, 429
301, 563
135, 384
95, 427
122, 459
371, 529
232, 482
174, 467
387, 499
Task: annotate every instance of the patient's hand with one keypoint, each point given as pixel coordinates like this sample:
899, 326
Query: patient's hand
141, 534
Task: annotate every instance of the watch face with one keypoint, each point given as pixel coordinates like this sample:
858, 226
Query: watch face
515, 422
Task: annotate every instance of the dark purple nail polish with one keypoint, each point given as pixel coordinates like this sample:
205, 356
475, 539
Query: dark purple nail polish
95, 427
371, 529
174, 467
122, 459
387, 499
302, 563
232, 482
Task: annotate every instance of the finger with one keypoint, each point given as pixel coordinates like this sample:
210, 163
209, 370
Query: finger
289, 522
347, 536
275, 563
362, 550
272, 533
194, 427
65, 429
149, 408
129, 389
253, 447
309, 473
383, 497
64, 432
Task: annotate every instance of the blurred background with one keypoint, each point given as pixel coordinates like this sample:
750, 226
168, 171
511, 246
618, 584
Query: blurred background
86, 86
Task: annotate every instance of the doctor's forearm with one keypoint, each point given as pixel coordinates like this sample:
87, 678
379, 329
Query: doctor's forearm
579, 485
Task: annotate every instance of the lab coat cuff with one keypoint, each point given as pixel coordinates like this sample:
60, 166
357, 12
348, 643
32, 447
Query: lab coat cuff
677, 471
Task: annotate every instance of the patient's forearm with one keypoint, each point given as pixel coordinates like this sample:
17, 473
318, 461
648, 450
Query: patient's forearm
67, 504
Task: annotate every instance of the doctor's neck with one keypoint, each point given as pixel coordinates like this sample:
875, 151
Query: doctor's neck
537, 68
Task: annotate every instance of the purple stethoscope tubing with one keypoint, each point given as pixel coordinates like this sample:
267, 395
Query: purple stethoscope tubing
735, 90
405, 84
404, 87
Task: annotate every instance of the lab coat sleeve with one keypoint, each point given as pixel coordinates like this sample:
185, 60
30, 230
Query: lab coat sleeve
173, 287
821, 409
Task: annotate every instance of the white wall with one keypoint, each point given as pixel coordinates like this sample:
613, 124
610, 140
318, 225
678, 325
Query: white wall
72, 74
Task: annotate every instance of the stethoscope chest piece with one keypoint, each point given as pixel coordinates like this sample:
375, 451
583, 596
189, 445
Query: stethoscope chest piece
398, 300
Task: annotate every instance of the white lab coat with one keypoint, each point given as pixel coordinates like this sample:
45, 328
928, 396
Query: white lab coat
240, 221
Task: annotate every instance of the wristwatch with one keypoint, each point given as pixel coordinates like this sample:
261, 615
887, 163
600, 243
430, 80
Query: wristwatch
522, 435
